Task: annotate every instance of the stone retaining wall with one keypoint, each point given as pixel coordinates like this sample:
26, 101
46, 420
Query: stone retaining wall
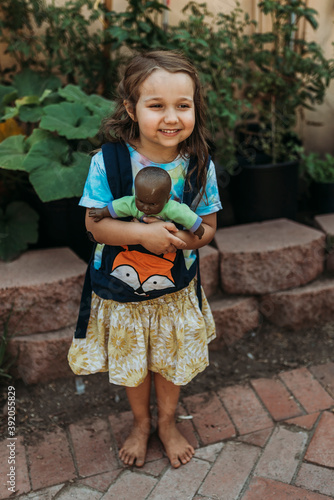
273, 270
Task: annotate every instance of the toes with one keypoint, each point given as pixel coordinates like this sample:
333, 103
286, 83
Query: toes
186, 458
140, 462
126, 458
131, 459
175, 460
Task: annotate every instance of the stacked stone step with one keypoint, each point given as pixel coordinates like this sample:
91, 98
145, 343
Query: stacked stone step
39, 301
280, 265
272, 269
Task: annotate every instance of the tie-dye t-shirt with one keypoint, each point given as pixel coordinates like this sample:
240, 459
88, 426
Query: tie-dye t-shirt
97, 192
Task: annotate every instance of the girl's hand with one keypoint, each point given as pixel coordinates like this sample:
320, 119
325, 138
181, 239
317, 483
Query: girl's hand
159, 238
151, 219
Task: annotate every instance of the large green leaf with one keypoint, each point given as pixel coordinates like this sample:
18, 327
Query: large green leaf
94, 102
13, 152
7, 94
55, 171
9, 112
31, 83
71, 120
30, 114
100, 106
73, 93
18, 227
38, 135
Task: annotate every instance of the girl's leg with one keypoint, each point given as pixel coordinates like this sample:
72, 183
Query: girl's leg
177, 447
134, 447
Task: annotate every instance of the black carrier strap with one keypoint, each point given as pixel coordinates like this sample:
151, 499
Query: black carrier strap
119, 174
85, 303
117, 163
189, 194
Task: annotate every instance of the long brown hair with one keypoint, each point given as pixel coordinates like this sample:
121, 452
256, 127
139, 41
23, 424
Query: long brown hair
120, 127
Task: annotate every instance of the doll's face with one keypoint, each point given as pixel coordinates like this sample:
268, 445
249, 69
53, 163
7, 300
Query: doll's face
151, 196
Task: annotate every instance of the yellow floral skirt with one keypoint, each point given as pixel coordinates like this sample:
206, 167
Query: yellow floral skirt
167, 335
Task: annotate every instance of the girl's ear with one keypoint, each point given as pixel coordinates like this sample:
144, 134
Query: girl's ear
130, 110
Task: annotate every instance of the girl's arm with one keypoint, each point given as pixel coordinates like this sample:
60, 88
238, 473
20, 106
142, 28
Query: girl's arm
157, 238
209, 222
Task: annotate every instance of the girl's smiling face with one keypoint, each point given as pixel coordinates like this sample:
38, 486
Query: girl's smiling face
165, 114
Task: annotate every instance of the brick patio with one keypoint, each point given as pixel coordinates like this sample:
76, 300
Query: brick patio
267, 439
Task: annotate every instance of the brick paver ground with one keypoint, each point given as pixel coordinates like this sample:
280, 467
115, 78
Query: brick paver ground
269, 439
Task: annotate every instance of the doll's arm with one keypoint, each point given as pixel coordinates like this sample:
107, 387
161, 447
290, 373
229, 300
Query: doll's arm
182, 214
122, 207
209, 224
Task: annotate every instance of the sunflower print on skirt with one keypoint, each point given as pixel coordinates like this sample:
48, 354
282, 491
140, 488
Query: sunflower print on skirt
167, 335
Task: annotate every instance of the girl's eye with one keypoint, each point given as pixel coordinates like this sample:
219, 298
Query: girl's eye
184, 106
155, 106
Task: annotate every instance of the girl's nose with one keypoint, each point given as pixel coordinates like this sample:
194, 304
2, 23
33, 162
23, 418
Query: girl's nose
170, 116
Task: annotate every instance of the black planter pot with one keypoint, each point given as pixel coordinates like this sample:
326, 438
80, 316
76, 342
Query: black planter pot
323, 195
61, 224
264, 192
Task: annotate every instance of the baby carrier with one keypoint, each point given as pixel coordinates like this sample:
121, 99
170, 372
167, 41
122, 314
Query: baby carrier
130, 273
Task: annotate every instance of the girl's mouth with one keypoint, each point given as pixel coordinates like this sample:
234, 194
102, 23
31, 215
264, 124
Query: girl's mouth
169, 131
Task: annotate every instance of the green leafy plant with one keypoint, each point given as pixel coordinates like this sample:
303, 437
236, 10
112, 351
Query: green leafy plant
138, 27
318, 167
59, 136
215, 45
79, 40
55, 39
52, 154
284, 74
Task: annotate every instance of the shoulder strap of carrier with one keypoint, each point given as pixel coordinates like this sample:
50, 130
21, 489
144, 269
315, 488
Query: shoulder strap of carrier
189, 194
117, 163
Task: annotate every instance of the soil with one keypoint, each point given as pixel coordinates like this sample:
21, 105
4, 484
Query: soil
266, 351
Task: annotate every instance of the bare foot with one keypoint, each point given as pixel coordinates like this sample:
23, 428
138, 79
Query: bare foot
134, 447
177, 448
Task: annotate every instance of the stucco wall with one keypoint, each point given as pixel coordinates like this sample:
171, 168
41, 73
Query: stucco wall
316, 138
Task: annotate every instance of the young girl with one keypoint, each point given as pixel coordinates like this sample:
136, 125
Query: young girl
155, 328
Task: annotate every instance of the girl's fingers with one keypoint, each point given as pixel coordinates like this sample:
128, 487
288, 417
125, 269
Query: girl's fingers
149, 220
170, 226
177, 242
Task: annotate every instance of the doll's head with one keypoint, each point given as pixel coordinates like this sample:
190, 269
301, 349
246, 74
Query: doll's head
152, 188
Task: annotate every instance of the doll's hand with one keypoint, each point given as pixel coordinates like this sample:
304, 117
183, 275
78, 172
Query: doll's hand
199, 231
98, 213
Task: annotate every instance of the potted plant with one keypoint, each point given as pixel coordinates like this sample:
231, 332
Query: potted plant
283, 73
49, 159
318, 171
